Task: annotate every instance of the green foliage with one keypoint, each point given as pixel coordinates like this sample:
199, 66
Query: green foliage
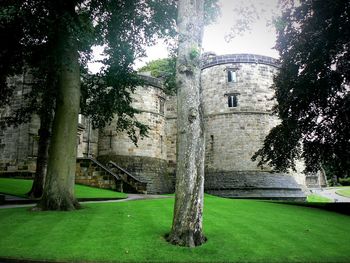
159, 68
194, 53
11, 52
20, 187
164, 69
344, 181
312, 89
124, 28
237, 230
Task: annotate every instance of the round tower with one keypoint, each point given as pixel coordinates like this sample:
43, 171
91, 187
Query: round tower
237, 101
146, 161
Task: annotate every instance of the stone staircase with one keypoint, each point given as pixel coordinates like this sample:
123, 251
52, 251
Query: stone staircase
128, 179
93, 173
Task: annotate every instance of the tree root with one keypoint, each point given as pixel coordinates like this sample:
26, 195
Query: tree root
188, 239
57, 204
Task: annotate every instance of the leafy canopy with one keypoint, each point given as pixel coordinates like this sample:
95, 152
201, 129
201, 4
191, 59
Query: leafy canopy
164, 69
123, 28
312, 88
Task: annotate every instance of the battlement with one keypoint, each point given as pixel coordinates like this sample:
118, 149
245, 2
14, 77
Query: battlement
211, 60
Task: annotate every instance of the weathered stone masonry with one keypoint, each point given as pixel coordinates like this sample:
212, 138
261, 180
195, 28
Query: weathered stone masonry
237, 106
237, 101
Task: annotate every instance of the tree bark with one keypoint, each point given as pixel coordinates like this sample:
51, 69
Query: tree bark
43, 155
60, 179
189, 193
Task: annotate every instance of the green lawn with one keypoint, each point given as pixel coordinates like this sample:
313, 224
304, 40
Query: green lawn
20, 187
237, 231
345, 191
314, 198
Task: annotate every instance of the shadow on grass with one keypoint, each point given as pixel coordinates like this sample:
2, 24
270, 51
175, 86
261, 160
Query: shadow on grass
342, 208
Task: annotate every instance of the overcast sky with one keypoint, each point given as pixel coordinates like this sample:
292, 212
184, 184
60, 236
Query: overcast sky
259, 40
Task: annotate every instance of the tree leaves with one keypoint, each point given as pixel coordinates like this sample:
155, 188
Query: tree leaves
312, 88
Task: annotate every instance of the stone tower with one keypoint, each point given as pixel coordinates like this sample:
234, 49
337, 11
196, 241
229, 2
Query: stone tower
237, 107
237, 101
146, 161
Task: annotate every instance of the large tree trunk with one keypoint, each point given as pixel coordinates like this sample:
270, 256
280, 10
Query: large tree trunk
187, 222
60, 179
43, 154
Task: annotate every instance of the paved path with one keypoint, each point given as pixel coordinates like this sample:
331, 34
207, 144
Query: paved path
131, 197
331, 194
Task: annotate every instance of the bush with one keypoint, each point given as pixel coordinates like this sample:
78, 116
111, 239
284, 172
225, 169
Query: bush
344, 181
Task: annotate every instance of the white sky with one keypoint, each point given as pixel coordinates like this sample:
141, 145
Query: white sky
259, 40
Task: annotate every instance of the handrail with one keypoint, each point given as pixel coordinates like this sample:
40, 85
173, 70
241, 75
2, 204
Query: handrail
128, 178
125, 171
100, 165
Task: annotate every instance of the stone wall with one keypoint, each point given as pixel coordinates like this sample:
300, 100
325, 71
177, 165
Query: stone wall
90, 173
238, 106
171, 131
253, 184
152, 171
252, 88
232, 139
237, 101
150, 101
148, 160
234, 134
87, 142
18, 145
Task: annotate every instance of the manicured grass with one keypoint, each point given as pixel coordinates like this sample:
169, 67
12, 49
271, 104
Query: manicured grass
315, 198
83, 191
345, 191
237, 231
20, 187
16, 187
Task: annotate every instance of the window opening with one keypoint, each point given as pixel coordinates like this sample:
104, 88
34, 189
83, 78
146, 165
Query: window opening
231, 76
232, 101
161, 105
33, 144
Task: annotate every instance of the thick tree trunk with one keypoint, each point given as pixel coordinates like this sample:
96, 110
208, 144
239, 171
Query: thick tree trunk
60, 179
187, 222
43, 154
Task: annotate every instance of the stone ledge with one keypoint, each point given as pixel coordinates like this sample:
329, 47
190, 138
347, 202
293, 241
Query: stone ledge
253, 184
152, 81
239, 112
240, 58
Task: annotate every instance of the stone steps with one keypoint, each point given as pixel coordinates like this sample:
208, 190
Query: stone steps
253, 184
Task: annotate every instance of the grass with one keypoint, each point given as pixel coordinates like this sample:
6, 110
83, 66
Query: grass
345, 191
20, 187
315, 198
237, 231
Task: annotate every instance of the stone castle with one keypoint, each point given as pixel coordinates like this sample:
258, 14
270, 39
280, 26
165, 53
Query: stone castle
237, 102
